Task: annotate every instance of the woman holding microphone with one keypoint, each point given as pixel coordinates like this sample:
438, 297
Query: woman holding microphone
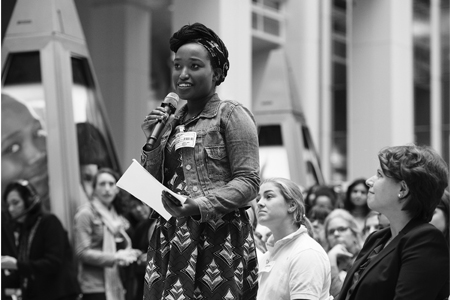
208, 152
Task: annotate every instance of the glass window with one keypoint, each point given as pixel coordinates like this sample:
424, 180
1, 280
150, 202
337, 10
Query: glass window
339, 74
422, 83
271, 26
445, 77
313, 172
342, 4
273, 4
95, 146
340, 48
340, 110
254, 21
272, 153
338, 162
270, 135
339, 23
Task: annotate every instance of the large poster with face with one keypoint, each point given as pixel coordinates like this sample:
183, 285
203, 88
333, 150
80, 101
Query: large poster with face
24, 150
24, 127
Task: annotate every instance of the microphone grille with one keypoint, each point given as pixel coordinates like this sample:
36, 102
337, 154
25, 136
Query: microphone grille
172, 99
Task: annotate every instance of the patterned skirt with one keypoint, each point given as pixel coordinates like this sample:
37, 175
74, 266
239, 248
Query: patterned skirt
187, 259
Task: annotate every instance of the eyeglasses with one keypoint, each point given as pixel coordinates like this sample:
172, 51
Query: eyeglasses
340, 229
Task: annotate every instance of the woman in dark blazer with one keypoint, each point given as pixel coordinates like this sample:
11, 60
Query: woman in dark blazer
409, 259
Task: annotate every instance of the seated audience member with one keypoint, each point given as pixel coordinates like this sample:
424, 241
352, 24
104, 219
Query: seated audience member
44, 266
410, 258
355, 200
440, 215
371, 223
321, 195
317, 216
343, 243
295, 265
260, 245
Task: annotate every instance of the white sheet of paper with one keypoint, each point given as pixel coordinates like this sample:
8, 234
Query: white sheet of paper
140, 183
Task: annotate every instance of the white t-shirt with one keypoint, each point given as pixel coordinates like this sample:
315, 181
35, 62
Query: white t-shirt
295, 267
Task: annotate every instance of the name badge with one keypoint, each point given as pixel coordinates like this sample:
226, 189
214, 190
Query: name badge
185, 140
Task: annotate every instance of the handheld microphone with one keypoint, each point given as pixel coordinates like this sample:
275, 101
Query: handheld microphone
170, 105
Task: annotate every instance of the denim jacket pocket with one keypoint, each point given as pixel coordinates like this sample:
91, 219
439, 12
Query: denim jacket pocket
217, 162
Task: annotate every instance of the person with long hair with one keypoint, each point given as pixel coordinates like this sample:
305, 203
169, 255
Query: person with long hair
410, 258
208, 152
101, 242
355, 200
44, 266
295, 265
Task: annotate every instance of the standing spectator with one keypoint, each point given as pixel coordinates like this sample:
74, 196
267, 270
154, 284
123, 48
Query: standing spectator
44, 266
295, 265
208, 152
410, 258
356, 201
101, 243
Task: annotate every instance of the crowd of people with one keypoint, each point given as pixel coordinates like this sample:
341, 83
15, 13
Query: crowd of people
237, 236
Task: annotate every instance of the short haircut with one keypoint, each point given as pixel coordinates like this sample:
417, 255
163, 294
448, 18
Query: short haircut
424, 172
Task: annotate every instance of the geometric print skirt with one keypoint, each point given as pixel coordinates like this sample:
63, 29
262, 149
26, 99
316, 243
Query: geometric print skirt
212, 260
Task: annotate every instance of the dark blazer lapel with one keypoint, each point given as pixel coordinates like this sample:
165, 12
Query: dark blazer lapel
357, 264
389, 248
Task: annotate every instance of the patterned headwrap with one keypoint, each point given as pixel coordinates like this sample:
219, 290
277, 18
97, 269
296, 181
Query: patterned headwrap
204, 36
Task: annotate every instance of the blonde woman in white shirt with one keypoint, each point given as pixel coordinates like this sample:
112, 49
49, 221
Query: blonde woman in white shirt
295, 265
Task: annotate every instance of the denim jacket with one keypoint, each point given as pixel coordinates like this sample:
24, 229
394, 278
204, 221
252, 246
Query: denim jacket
222, 170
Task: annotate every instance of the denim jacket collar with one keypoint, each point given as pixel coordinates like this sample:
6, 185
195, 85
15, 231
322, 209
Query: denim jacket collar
209, 111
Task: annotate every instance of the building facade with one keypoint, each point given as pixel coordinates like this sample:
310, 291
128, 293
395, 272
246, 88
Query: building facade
330, 82
362, 74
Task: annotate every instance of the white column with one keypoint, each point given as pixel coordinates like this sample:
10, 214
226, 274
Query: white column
231, 20
304, 55
380, 102
436, 95
324, 113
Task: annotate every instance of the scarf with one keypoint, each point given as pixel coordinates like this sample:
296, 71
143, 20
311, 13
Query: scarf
113, 227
